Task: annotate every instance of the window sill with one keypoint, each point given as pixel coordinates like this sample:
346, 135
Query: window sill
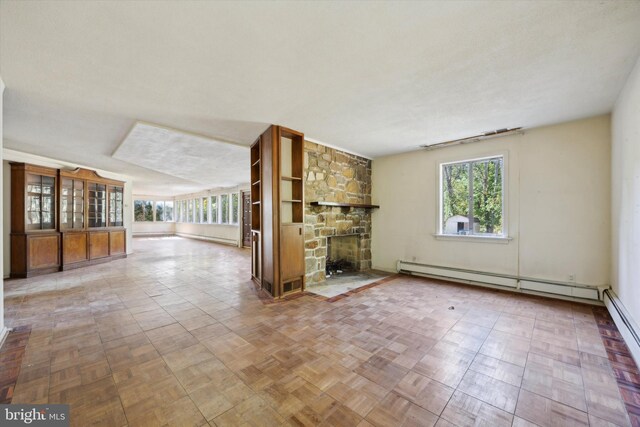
472, 238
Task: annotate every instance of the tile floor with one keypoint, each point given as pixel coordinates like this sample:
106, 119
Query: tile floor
176, 335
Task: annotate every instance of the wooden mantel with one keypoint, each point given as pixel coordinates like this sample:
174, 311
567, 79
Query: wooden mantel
345, 205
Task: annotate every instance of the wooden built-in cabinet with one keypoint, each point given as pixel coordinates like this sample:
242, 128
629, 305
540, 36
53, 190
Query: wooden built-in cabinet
277, 221
34, 237
62, 219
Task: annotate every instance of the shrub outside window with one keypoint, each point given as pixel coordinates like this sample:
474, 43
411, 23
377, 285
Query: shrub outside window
205, 207
143, 210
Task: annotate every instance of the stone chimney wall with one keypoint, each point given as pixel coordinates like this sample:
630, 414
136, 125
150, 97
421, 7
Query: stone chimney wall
334, 176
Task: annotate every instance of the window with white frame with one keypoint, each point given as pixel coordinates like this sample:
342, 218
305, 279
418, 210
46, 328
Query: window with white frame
214, 209
164, 211
189, 210
205, 210
168, 211
224, 209
197, 211
143, 210
159, 211
153, 211
234, 208
472, 197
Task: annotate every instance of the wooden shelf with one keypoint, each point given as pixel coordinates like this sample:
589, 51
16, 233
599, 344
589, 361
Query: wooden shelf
345, 205
256, 203
255, 163
278, 256
257, 182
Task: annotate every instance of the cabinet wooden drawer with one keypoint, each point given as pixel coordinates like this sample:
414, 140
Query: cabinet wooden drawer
117, 242
74, 248
98, 244
44, 251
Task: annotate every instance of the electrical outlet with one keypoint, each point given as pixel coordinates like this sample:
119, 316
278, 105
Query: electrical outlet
572, 278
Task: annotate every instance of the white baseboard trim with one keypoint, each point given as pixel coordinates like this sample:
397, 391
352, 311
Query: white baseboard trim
625, 323
3, 335
230, 242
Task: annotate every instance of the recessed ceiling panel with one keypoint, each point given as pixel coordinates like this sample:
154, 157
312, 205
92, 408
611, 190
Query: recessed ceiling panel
195, 158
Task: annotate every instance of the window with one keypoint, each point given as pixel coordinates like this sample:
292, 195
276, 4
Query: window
189, 210
198, 212
214, 209
168, 211
164, 211
471, 197
143, 210
234, 208
159, 211
184, 211
224, 209
205, 207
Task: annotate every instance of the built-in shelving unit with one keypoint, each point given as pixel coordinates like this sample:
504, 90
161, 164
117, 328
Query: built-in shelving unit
256, 195
278, 215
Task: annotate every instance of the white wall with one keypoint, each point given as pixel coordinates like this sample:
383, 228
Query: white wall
557, 202
223, 233
150, 228
625, 197
17, 156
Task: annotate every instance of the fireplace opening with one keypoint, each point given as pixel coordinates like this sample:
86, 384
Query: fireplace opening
343, 254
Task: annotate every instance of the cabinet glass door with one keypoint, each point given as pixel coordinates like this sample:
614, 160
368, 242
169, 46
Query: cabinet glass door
72, 204
97, 205
116, 204
78, 204
40, 202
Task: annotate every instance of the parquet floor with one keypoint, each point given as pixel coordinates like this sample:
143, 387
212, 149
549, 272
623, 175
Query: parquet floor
176, 335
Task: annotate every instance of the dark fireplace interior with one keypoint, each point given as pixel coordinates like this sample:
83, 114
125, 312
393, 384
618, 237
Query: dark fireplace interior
343, 254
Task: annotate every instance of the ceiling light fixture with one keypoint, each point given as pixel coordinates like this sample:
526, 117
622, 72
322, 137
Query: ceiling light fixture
475, 138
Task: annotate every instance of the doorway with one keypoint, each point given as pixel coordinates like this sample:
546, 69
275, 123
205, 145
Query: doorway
246, 219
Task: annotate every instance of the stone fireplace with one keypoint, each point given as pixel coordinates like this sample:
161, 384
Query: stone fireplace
335, 176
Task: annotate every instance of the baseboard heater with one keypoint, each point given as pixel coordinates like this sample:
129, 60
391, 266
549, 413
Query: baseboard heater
627, 327
209, 239
570, 291
152, 234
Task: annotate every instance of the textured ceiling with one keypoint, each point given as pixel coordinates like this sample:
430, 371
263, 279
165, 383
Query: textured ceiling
372, 77
190, 157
